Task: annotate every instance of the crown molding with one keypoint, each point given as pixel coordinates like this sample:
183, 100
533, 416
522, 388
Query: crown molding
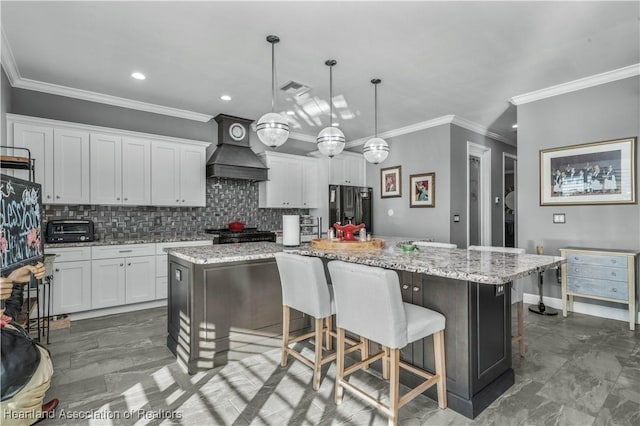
439, 121
302, 137
582, 83
7, 59
477, 128
55, 89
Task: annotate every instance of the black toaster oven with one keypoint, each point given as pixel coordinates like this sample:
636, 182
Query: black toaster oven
70, 231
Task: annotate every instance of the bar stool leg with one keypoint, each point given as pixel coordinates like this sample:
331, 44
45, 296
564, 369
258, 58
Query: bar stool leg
317, 363
520, 314
394, 386
438, 349
285, 334
327, 335
385, 363
340, 366
364, 352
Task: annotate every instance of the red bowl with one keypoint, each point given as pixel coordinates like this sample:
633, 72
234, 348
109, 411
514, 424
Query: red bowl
236, 226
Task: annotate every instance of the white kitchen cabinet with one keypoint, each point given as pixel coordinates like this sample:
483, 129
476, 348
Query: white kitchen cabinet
284, 187
178, 175
140, 279
107, 283
71, 162
311, 188
71, 287
106, 169
347, 169
39, 140
120, 170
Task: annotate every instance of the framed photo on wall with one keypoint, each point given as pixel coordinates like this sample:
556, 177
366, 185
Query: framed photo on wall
592, 173
391, 182
422, 190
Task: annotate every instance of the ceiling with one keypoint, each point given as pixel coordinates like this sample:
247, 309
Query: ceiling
434, 58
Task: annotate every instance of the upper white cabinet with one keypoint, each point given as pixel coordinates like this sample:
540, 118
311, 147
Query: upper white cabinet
347, 169
82, 164
288, 181
71, 159
311, 186
39, 141
178, 174
120, 170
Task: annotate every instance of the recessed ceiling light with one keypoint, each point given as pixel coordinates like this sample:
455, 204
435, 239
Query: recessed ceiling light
225, 97
291, 112
515, 126
138, 75
335, 124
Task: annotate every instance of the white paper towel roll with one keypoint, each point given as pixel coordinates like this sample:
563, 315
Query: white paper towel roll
291, 230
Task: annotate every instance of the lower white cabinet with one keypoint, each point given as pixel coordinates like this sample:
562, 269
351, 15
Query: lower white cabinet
107, 283
71, 288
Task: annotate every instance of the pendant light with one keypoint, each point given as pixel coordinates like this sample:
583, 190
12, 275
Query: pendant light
272, 128
330, 140
376, 149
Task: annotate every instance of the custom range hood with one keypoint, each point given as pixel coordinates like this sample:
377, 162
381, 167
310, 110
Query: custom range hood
233, 158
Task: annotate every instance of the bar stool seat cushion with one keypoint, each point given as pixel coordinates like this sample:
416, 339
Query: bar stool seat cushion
422, 322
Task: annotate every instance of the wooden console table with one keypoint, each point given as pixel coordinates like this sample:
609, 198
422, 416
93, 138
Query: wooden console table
602, 274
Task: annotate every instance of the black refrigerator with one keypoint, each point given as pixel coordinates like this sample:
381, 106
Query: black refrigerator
351, 204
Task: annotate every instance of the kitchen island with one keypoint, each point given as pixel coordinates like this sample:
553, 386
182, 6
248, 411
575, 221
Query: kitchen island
225, 297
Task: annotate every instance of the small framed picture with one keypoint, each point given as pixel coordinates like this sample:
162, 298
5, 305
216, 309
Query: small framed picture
422, 190
391, 182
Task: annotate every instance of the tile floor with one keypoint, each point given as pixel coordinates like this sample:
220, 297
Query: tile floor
579, 370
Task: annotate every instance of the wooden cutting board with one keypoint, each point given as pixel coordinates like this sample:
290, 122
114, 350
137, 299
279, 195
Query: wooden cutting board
323, 244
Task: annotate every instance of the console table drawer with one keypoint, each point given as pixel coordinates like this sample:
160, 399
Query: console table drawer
599, 288
591, 259
598, 272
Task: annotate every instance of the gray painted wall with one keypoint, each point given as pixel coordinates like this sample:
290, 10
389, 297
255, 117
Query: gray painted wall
604, 112
420, 152
5, 105
459, 138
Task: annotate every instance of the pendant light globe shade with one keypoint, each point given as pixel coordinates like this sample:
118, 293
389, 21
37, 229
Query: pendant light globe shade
376, 150
272, 129
330, 141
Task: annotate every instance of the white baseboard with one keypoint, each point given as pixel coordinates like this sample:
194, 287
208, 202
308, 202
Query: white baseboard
117, 310
620, 314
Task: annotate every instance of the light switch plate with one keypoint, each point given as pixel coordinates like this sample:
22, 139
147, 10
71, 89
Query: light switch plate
456, 218
559, 218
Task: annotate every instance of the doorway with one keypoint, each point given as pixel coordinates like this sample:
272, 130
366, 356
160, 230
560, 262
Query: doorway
510, 199
478, 195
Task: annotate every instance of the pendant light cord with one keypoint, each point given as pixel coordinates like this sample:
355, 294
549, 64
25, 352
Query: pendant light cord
375, 86
273, 77
331, 95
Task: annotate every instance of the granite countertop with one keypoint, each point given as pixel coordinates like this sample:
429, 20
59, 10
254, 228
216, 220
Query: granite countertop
461, 264
224, 253
477, 266
142, 240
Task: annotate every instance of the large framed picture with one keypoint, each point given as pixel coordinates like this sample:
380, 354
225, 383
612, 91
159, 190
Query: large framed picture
423, 190
593, 173
391, 182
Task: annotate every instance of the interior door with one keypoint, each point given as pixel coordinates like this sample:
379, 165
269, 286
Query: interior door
510, 200
478, 195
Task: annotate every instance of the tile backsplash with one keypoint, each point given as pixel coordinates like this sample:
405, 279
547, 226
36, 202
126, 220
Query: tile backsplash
228, 200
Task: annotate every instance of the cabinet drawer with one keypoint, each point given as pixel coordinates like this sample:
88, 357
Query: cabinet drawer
70, 254
597, 272
161, 265
598, 287
161, 246
127, 250
592, 259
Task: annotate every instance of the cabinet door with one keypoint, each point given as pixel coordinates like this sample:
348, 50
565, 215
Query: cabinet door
71, 167
310, 184
354, 171
165, 174
278, 185
336, 175
192, 176
106, 169
140, 279
39, 140
294, 183
161, 287
107, 283
71, 287
136, 172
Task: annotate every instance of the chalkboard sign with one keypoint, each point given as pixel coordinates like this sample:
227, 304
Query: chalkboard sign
21, 239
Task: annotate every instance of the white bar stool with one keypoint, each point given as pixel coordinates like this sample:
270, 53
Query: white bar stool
369, 303
305, 288
435, 244
517, 293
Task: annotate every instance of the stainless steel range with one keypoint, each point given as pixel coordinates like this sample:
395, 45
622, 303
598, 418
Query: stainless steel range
226, 236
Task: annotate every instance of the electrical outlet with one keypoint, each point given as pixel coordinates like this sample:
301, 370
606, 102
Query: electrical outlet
157, 221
